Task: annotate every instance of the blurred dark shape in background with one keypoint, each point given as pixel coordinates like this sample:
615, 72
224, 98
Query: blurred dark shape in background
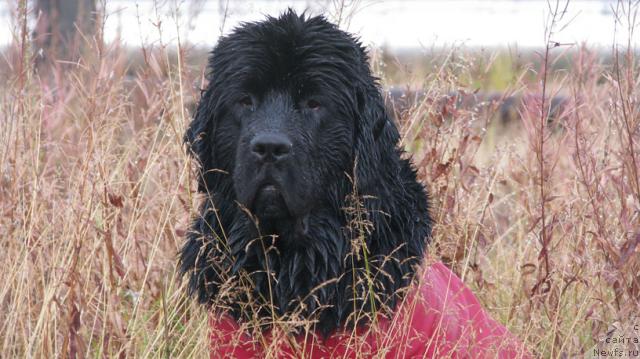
63, 28
506, 108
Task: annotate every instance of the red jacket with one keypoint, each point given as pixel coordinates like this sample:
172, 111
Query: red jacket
441, 318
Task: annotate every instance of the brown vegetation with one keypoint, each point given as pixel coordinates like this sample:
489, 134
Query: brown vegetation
96, 191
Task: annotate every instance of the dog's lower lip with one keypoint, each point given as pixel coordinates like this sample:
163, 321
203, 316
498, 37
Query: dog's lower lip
269, 187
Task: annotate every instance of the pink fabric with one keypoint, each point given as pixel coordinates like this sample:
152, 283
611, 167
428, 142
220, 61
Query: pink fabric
440, 318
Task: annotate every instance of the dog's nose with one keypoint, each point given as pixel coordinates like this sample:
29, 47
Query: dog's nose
270, 147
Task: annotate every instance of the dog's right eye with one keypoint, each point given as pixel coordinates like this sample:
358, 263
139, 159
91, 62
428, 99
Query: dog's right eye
246, 101
313, 104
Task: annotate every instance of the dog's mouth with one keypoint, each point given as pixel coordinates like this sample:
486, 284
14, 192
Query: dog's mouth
269, 202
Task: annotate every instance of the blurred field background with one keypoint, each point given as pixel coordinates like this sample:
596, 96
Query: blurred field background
531, 157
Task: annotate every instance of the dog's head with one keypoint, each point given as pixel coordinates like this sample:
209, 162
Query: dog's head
292, 123
283, 111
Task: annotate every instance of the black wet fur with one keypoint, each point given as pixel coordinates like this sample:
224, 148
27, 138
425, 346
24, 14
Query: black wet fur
265, 79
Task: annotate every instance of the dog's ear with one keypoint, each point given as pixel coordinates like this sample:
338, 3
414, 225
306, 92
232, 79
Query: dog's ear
378, 167
374, 119
376, 134
198, 137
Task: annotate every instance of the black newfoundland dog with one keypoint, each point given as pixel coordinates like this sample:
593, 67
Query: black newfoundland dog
311, 210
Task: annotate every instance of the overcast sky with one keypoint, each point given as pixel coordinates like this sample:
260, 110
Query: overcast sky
394, 24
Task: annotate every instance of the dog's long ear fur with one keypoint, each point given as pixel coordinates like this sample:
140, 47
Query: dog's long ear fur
194, 253
376, 136
198, 136
206, 250
396, 201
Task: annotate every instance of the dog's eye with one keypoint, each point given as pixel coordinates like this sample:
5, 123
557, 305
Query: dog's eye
313, 104
246, 101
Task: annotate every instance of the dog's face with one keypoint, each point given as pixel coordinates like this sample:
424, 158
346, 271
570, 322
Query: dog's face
286, 116
290, 131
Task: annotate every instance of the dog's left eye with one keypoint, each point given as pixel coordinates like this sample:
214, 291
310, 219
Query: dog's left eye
313, 104
246, 101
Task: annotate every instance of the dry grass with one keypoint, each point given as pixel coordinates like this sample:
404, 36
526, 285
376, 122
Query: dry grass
96, 195
96, 191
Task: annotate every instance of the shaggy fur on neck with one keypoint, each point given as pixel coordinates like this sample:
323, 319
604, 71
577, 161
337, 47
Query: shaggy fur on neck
356, 249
